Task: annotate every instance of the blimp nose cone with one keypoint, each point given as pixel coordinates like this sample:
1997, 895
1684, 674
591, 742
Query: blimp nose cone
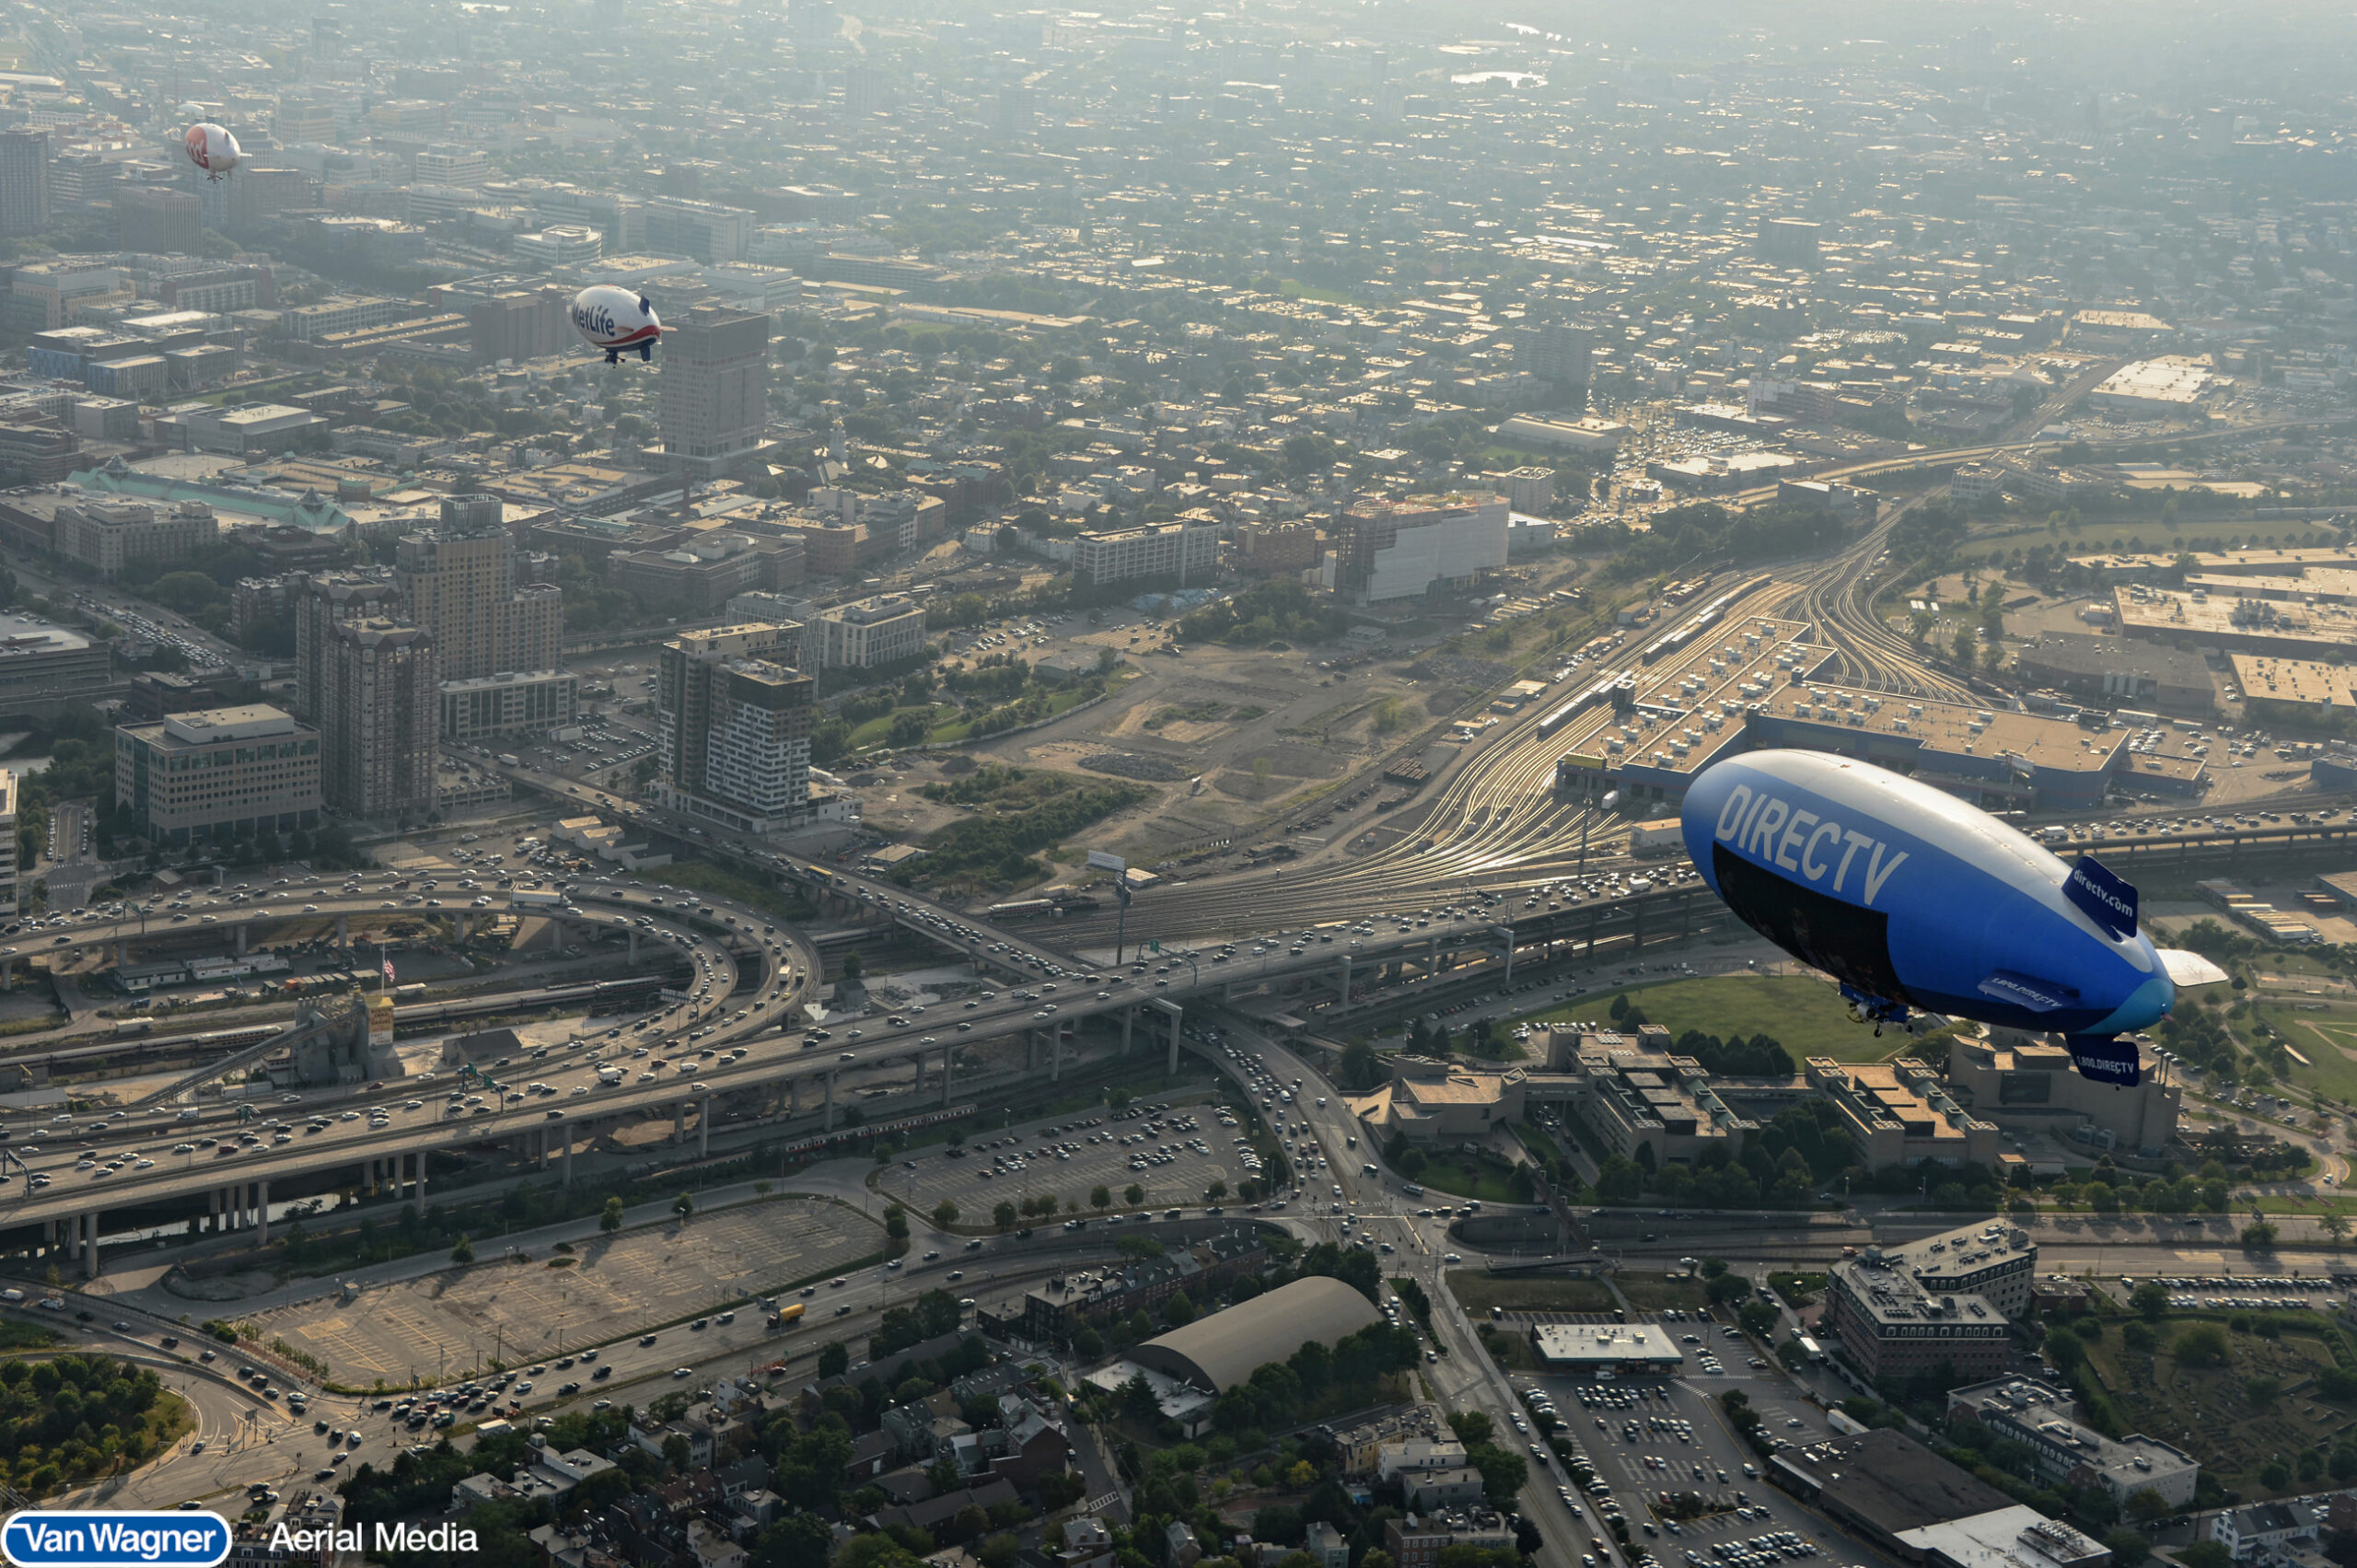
1699, 818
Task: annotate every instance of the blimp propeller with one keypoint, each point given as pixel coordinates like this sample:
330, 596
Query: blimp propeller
1911, 899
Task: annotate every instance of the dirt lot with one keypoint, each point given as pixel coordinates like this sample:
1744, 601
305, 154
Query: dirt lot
617, 1286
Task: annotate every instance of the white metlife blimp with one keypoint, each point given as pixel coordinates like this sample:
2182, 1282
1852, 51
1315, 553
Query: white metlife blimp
1912, 899
615, 319
212, 149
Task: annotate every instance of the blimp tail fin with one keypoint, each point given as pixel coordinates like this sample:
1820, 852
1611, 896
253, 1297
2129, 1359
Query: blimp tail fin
2102, 897
2104, 1059
2186, 969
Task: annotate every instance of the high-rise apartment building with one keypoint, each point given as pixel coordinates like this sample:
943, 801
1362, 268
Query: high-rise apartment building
158, 219
458, 581
379, 689
715, 387
325, 602
24, 184
734, 726
8, 894
1556, 352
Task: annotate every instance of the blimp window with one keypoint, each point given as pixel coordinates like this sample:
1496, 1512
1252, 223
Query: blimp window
1852, 944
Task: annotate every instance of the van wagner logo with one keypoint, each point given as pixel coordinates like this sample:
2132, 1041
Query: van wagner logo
57, 1539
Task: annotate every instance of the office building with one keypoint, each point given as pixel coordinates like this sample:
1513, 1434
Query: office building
733, 728
1435, 1101
557, 247
1992, 1259
2046, 1420
41, 449
1395, 550
868, 632
378, 689
1890, 1326
2028, 1085
1900, 1113
40, 663
107, 536
218, 774
519, 325
698, 575
453, 163
715, 394
1186, 553
511, 703
24, 184
459, 581
158, 219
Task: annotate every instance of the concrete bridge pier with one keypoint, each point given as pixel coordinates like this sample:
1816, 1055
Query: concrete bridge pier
1346, 1004
948, 1074
344, 931
1055, 1053
679, 1121
633, 944
262, 1210
830, 1099
88, 1224
1505, 940
565, 1149
1130, 1017
703, 1127
242, 929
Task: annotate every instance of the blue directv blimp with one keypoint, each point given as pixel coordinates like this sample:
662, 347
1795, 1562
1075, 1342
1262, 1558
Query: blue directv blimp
1912, 899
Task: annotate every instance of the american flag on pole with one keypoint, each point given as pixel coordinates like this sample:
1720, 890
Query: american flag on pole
387, 965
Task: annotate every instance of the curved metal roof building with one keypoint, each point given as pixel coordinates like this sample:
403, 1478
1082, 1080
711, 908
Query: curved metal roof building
1223, 1350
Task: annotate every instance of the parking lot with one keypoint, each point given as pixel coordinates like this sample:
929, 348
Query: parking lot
1645, 1438
1174, 1150
606, 1289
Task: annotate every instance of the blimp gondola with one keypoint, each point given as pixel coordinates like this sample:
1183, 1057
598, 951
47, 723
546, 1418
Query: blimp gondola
1914, 900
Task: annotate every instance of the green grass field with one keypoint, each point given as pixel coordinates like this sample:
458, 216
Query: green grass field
1466, 1178
1478, 1291
1652, 1292
2327, 1035
1805, 1016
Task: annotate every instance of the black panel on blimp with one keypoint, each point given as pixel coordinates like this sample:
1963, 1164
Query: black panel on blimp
1851, 944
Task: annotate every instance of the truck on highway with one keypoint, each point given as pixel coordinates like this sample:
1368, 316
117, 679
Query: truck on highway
527, 897
1666, 836
783, 1317
609, 1076
509, 759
